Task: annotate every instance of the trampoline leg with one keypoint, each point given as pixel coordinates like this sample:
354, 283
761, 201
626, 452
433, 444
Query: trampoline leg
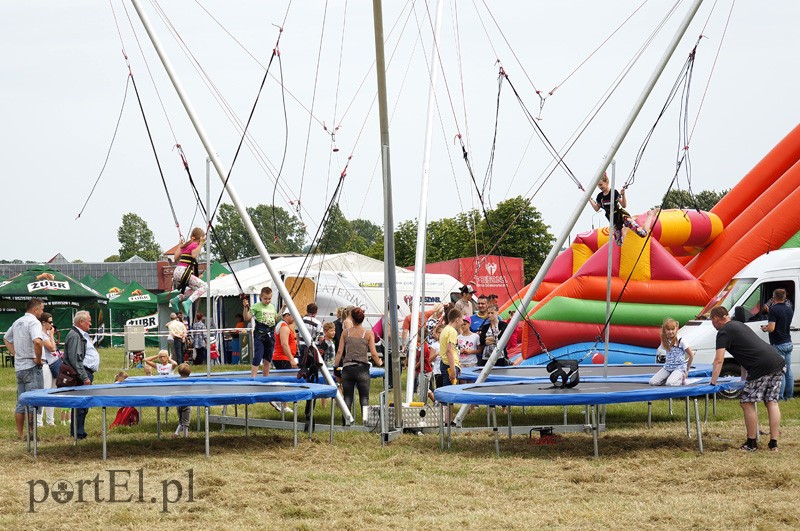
714, 405
688, 420
496, 434
333, 405
198, 419
294, 424
649, 414
74, 430
441, 426
311, 422
236, 410
697, 421
35, 439
488, 417
208, 442
224, 414
509, 422
670, 407
586, 413
565, 415
705, 413
449, 426
595, 429
105, 436
246, 420
28, 426
158, 422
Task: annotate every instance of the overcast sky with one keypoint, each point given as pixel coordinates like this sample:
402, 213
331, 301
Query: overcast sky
63, 77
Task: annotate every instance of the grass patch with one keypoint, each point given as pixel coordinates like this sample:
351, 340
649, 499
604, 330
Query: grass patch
646, 478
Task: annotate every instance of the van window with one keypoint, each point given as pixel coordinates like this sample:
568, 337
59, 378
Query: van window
729, 295
757, 304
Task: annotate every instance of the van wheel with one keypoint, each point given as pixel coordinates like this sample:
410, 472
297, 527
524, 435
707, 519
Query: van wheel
730, 368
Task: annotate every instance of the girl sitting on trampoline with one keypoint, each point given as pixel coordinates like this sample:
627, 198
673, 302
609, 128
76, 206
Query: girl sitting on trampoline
676, 367
186, 278
621, 216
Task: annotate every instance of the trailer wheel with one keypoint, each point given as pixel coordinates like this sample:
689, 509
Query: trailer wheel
730, 368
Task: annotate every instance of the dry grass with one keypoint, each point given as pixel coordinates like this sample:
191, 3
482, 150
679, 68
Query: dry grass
645, 479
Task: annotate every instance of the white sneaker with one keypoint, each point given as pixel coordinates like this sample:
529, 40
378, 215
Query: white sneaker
39, 424
277, 406
287, 409
51, 423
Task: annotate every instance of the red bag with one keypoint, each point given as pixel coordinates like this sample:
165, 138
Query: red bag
126, 416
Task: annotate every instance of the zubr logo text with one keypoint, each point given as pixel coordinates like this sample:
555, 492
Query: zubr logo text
112, 486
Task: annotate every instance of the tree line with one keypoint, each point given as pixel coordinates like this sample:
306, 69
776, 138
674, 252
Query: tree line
514, 227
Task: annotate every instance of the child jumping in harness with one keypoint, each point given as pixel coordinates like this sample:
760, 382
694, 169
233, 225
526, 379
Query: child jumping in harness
186, 278
622, 217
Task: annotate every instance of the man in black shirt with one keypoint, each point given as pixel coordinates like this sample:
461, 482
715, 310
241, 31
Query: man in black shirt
779, 327
761, 365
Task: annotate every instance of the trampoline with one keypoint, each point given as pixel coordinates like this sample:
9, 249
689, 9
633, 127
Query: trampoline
522, 372
174, 393
588, 393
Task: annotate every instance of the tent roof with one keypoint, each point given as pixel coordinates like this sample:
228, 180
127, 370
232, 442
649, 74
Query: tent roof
108, 284
52, 286
89, 280
132, 297
217, 270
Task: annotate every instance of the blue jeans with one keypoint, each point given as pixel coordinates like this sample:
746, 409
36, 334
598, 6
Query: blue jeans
28, 380
78, 417
787, 387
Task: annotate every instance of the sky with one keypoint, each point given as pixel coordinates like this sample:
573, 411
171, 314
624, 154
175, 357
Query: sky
63, 77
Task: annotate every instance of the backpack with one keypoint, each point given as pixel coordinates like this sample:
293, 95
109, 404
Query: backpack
126, 416
309, 365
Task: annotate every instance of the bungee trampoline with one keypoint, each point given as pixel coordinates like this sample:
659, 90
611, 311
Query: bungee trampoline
593, 394
174, 393
522, 372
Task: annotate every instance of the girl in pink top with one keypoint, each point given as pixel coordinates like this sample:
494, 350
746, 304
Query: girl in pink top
186, 278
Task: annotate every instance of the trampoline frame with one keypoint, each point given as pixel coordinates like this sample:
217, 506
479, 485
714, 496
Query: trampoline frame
317, 390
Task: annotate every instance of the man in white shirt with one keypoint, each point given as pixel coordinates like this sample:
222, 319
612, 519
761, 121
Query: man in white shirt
23, 340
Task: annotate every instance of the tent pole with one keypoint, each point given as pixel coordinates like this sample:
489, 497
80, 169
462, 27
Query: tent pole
521, 309
234, 196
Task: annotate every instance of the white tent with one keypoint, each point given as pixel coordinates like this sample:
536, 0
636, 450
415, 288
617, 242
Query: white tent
341, 280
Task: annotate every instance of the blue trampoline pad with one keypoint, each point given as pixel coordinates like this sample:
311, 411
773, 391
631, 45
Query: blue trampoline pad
522, 372
275, 375
175, 393
616, 391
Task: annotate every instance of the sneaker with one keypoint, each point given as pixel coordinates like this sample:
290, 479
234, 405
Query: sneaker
187, 307
174, 303
51, 423
287, 409
277, 406
746, 448
39, 424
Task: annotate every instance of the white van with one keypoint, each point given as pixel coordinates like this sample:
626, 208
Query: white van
745, 297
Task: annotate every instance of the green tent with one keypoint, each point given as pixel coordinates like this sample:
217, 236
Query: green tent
62, 296
109, 285
134, 303
89, 280
217, 270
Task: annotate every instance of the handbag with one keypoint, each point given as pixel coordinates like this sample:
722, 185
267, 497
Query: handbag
67, 376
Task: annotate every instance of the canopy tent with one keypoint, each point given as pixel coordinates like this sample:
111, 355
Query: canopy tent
89, 280
217, 270
62, 296
134, 303
336, 280
109, 285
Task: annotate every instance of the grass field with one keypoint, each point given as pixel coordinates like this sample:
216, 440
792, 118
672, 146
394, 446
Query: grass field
645, 478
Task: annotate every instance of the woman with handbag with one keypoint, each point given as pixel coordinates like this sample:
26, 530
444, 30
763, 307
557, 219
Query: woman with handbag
52, 362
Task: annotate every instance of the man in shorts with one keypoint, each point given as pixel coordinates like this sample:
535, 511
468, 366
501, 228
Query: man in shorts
762, 367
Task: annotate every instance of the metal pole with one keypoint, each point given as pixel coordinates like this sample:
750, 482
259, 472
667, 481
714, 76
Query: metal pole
422, 218
610, 266
390, 279
246, 221
521, 309
208, 268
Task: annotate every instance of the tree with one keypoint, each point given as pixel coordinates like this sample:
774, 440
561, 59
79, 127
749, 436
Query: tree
136, 238
515, 228
112, 258
705, 200
231, 237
